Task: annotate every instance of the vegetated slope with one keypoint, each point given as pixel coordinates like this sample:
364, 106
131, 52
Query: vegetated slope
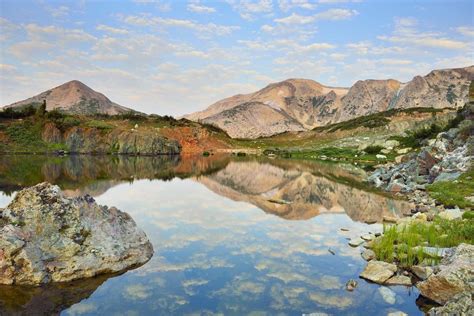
307, 104
73, 97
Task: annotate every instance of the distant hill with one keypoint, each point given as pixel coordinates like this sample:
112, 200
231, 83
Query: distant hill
302, 104
76, 98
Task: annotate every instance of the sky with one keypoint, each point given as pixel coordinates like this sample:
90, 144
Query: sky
177, 57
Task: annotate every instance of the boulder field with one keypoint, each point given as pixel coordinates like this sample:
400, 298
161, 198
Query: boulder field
47, 237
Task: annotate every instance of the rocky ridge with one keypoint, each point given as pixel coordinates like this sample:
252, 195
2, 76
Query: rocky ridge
306, 104
46, 237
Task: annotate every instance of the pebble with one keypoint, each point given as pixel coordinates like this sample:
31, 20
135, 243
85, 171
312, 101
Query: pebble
356, 242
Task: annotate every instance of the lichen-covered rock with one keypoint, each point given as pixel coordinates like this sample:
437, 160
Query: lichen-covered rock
456, 275
47, 237
461, 304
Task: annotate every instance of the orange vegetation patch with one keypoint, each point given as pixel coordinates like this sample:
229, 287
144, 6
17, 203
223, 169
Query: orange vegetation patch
195, 139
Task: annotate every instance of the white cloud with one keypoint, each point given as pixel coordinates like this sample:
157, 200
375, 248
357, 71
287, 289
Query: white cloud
159, 4
267, 28
248, 8
208, 29
58, 12
286, 5
109, 29
331, 14
465, 30
56, 33
196, 6
405, 32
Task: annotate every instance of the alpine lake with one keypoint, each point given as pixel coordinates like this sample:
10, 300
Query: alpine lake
231, 235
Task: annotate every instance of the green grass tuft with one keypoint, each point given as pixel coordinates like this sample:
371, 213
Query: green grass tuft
402, 243
454, 193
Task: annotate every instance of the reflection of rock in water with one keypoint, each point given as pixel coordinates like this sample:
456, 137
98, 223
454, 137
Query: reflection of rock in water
46, 300
81, 174
303, 193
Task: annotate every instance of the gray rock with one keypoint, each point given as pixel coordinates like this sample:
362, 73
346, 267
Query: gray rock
356, 242
368, 254
367, 237
399, 280
447, 176
422, 272
47, 237
450, 214
455, 276
378, 271
461, 304
388, 295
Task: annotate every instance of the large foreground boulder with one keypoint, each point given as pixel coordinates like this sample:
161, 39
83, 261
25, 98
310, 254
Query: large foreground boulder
455, 276
47, 237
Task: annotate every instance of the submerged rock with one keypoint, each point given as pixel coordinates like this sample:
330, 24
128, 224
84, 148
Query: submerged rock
351, 285
388, 295
456, 275
378, 271
47, 237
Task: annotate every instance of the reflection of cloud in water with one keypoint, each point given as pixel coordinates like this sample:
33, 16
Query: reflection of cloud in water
81, 308
137, 292
337, 301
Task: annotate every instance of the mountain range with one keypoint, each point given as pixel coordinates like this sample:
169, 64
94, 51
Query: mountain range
76, 98
291, 105
302, 104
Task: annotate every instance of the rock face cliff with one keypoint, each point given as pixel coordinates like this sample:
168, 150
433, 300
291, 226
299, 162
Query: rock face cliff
300, 104
47, 237
120, 141
76, 98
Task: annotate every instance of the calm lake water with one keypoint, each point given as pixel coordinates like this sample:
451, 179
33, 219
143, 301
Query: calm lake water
222, 243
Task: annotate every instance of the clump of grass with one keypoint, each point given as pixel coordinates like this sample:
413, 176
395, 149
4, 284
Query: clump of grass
454, 193
403, 243
373, 149
100, 125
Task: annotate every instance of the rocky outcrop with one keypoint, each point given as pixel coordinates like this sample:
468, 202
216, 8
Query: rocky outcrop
74, 97
118, 141
455, 276
47, 237
445, 158
308, 104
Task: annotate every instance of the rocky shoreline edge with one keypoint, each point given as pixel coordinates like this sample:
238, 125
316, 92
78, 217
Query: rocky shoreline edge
448, 281
47, 237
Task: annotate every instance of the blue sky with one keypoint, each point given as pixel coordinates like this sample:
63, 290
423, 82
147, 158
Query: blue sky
176, 57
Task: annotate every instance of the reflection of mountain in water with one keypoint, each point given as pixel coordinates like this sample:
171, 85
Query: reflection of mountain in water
305, 189
299, 191
46, 300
